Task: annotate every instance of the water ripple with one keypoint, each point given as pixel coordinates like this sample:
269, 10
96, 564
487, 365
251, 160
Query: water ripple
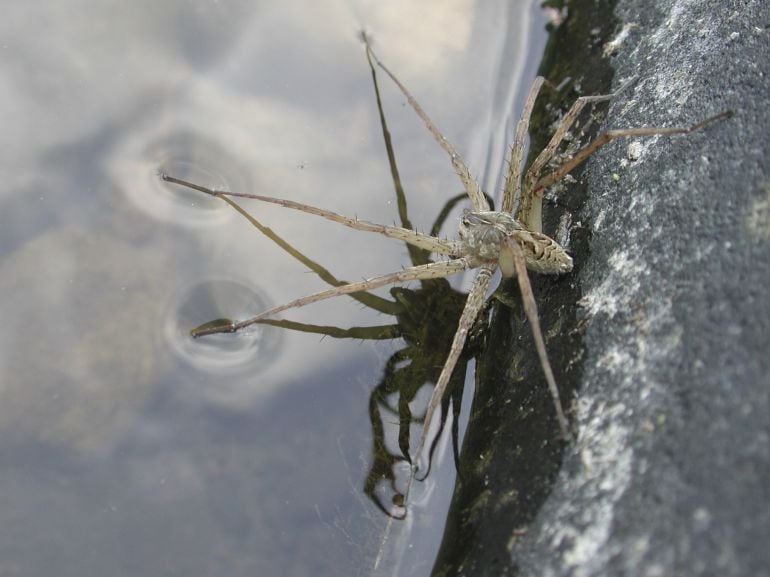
249, 351
184, 154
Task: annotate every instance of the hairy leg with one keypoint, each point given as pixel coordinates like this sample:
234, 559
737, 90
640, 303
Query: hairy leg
439, 269
472, 187
430, 243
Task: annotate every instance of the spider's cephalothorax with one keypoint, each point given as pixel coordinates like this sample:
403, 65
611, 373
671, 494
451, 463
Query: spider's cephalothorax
485, 237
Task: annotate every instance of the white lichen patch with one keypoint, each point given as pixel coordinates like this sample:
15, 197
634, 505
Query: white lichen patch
634, 150
606, 455
758, 216
613, 45
563, 230
607, 468
618, 288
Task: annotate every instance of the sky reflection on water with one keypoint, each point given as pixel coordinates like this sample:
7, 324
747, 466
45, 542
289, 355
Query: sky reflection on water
127, 450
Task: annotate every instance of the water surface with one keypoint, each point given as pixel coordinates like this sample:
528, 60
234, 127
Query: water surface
127, 447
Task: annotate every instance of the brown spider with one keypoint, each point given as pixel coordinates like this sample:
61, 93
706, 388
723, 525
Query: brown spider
510, 240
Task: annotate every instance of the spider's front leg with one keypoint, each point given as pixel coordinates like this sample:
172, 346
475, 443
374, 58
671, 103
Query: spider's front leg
424, 241
440, 269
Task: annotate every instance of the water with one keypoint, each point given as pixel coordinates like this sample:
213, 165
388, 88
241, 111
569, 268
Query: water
127, 447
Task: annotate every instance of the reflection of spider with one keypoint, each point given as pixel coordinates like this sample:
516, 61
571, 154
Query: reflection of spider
426, 322
510, 240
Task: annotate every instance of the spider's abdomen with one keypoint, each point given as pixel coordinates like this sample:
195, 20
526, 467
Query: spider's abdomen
542, 253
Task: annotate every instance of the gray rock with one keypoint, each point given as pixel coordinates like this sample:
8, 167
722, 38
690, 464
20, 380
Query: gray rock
669, 348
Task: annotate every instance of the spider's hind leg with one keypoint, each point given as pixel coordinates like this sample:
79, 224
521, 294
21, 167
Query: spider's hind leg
530, 208
607, 137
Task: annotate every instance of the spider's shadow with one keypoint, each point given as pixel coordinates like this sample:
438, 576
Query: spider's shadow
426, 320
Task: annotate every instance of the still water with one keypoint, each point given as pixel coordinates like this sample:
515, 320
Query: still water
126, 447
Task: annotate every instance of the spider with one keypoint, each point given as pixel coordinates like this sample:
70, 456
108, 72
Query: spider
510, 240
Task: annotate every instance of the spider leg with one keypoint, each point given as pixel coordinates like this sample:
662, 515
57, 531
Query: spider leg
472, 187
416, 255
377, 303
512, 190
611, 135
530, 209
439, 269
530, 310
430, 243
473, 305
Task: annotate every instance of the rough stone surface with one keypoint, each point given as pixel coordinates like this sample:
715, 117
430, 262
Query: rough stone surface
669, 472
